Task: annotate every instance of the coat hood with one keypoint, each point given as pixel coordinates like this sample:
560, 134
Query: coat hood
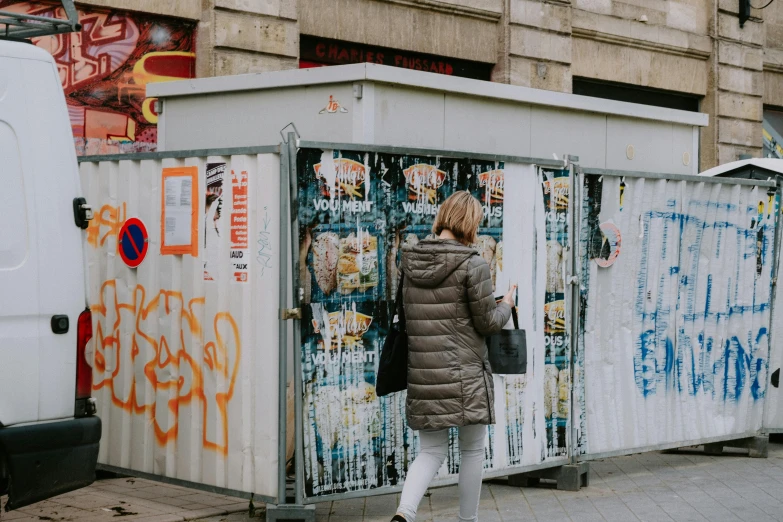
428, 263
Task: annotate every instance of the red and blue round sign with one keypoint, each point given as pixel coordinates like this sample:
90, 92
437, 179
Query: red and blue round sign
133, 242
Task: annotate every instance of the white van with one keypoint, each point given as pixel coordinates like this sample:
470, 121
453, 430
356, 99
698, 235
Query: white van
49, 434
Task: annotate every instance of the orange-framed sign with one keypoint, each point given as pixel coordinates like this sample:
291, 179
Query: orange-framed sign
179, 211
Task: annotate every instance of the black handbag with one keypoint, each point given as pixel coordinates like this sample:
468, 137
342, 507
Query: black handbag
508, 349
393, 365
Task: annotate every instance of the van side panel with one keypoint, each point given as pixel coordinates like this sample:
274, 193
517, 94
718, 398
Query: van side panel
19, 294
50, 153
44, 449
42, 268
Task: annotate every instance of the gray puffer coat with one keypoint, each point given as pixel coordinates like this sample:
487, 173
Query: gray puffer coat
449, 308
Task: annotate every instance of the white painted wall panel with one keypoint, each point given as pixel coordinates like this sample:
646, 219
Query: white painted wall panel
247, 119
676, 330
472, 124
408, 117
645, 146
399, 114
185, 370
554, 131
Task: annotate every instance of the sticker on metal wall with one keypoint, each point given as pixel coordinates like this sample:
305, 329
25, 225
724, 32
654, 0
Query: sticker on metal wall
333, 107
239, 252
622, 193
611, 242
133, 242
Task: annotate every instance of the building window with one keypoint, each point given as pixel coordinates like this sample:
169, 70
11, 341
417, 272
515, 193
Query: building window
319, 52
773, 133
634, 94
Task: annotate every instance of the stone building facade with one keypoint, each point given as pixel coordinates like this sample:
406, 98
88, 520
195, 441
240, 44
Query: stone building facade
689, 54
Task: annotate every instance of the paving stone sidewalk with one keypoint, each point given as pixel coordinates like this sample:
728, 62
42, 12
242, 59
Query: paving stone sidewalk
128, 499
680, 487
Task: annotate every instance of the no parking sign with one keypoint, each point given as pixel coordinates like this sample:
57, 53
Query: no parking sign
133, 242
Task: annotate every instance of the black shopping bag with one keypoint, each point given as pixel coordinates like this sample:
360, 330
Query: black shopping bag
393, 366
508, 349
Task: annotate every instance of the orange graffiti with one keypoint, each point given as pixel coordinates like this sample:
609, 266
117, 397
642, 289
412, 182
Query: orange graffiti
152, 366
108, 217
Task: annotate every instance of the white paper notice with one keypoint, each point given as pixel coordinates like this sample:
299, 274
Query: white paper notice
179, 210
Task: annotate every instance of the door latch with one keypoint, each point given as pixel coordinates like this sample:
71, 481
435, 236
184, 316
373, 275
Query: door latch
82, 213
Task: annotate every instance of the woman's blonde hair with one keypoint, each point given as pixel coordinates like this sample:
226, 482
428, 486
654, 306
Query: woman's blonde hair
461, 214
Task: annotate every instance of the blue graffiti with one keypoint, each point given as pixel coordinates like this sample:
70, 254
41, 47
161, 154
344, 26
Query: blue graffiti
701, 346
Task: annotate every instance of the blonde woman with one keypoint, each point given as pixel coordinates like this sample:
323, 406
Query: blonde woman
449, 309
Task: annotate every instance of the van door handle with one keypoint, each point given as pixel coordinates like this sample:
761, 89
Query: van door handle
60, 324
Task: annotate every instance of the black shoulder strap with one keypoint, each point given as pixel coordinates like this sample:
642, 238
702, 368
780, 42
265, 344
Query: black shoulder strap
398, 303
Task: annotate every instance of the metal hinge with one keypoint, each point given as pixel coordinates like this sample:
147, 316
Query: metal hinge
290, 313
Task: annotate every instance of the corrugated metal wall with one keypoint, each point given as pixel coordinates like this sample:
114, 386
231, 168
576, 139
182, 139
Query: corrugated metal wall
186, 358
673, 335
676, 331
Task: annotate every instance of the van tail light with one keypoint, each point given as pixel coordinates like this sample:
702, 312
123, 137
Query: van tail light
83, 370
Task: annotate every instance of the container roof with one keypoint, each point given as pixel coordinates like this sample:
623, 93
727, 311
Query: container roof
370, 72
774, 166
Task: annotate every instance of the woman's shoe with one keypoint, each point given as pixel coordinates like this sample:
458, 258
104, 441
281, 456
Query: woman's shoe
398, 518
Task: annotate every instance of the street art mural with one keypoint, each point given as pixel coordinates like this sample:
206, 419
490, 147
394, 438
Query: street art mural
105, 68
681, 317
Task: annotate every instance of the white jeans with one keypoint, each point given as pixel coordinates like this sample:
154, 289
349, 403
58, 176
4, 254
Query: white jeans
434, 445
